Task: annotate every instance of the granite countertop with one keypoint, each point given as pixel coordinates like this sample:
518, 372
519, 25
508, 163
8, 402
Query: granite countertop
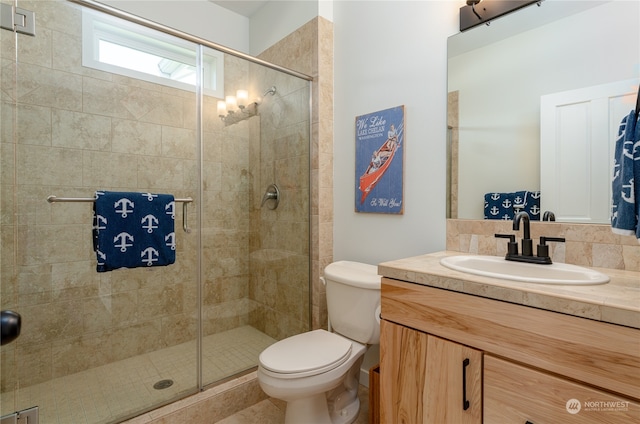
617, 302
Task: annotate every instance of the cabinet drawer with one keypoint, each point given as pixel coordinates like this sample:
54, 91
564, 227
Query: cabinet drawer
516, 394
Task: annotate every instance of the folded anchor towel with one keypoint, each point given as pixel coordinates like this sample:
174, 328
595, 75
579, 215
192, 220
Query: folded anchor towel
505, 205
133, 230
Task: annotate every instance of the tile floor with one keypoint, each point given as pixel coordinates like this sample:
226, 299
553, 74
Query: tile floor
102, 394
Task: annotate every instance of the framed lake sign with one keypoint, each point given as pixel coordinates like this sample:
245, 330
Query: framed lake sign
380, 161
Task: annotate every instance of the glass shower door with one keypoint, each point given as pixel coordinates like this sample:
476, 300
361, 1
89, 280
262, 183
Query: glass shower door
98, 347
7, 169
255, 252
95, 347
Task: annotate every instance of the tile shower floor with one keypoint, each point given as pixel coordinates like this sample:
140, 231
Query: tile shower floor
101, 394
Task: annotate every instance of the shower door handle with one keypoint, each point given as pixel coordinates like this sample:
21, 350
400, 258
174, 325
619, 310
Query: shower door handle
9, 326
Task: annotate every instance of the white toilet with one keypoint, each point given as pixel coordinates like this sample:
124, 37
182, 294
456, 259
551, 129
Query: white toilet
317, 372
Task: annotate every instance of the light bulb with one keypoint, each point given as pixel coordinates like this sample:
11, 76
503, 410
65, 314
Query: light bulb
222, 108
242, 96
231, 102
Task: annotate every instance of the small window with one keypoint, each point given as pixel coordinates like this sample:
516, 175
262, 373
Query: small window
114, 45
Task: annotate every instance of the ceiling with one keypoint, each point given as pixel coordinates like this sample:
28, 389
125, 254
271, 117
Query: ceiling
242, 7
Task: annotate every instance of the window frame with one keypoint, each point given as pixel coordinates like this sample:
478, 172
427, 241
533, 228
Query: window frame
98, 27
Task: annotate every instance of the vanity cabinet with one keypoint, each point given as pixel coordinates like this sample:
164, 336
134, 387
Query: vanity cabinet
428, 379
538, 366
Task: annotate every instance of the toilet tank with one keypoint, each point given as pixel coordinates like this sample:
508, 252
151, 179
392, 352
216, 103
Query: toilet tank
353, 300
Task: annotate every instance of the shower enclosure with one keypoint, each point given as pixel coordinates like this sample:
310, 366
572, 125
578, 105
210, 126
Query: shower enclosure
79, 115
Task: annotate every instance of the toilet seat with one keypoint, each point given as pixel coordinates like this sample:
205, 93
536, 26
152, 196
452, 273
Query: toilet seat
306, 354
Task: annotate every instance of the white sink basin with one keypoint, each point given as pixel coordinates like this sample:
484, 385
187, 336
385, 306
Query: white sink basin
493, 266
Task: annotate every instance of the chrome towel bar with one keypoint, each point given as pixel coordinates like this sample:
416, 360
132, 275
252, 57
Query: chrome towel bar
185, 202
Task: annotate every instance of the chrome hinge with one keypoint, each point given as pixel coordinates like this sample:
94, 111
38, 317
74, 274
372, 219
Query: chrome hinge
16, 19
26, 416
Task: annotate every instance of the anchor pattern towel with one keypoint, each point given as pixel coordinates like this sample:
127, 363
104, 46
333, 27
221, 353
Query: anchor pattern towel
133, 230
506, 205
625, 185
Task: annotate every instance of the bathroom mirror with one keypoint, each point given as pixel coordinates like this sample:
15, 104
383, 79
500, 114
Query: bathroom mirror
498, 75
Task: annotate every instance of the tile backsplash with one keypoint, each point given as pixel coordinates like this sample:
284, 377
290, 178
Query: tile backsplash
590, 245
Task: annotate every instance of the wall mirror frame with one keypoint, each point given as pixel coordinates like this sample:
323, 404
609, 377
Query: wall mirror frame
498, 77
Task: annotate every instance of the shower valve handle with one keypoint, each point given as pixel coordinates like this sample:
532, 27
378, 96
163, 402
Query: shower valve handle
272, 193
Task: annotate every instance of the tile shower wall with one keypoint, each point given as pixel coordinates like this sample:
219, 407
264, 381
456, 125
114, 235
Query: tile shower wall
68, 130
586, 244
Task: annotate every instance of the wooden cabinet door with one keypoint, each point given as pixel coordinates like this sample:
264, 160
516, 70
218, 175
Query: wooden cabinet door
517, 394
428, 380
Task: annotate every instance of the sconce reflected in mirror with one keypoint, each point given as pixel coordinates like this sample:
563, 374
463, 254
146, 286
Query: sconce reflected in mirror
234, 109
473, 3
472, 14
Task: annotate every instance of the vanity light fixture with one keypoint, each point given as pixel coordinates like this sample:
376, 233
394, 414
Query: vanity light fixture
234, 109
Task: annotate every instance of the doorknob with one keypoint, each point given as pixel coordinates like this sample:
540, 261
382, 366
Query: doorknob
9, 326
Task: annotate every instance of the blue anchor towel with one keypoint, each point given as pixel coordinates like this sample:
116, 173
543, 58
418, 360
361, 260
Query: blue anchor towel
505, 205
625, 185
133, 230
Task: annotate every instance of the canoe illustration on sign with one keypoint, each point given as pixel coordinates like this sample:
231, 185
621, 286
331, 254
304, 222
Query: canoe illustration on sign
380, 161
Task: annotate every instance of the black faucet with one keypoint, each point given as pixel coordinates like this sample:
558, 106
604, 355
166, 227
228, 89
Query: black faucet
527, 244
548, 216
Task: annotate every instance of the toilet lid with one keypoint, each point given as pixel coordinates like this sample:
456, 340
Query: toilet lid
310, 353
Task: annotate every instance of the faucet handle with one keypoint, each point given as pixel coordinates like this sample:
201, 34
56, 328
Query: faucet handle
544, 239
511, 237
543, 248
512, 246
